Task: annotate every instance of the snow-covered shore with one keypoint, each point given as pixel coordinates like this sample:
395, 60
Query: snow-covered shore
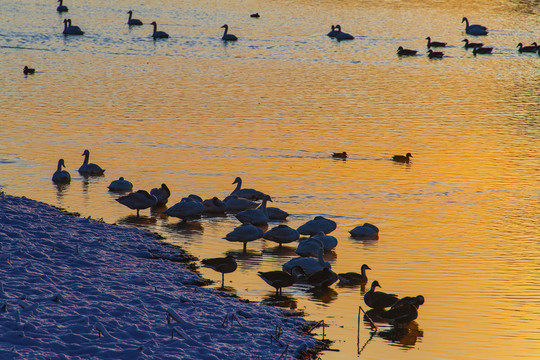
75, 288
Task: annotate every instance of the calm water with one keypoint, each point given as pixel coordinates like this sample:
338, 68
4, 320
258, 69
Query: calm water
460, 224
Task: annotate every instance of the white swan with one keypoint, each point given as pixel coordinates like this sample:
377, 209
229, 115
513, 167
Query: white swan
309, 247
228, 37
474, 29
214, 206
340, 35
158, 34
257, 216
61, 176
308, 264
244, 234
186, 209
366, 231
250, 194
120, 185
61, 7
138, 200
162, 194
132, 21
71, 29
319, 223
90, 169
236, 204
282, 234
275, 213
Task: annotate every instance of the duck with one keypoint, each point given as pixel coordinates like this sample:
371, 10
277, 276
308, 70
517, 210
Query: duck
132, 21
340, 35
354, 278
158, 34
308, 264
120, 185
530, 49
139, 200
255, 15
414, 300
469, 45
340, 155
474, 29
482, 50
431, 44
280, 279
366, 231
322, 278
379, 300
28, 71
62, 8
402, 158
61, 176
186, 209
403, 311
317, 224
237, 204
332, 32
214, 206
435, 54
282, 234
257, 216
223, 265
162, 194
250, 194
71, 29
244, 234
228, 37
406, 52
89, 169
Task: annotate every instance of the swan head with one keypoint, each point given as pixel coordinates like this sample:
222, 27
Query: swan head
238, 180
338, 28
86, 153
153, 23
465, 20
225, 26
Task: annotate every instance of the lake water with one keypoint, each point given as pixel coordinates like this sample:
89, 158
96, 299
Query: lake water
459, 224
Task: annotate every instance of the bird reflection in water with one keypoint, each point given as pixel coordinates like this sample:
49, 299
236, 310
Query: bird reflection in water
284, 301
325, 295
186, 227
280, 251
405, 337
137, 220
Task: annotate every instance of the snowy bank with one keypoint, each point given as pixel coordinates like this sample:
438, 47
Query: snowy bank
75, 288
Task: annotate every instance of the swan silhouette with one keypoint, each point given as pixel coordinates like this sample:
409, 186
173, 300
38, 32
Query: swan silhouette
333, 32
317, 224
139, 200
340, 35
162, 194
308, 264
244, 234
158, 34
90, 169
226, 36
474, 29
257, 216
61, 8
186, 209
120, 185
71, 29
531, 48
282, 234
367, 231
132, 21
61, 176
250, 194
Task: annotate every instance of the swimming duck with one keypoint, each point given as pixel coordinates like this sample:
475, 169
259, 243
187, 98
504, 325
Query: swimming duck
308, 264
474, 29
403, 311
255, 15
333, 32
353, 278
90, 169
319, 223
282, 234
402, 158
322, 278
223, 265
186, 209
132, 21
431, 44
531, 48
237, 204
340, 35
162, 194
377, 299
214, 206
244, 233
139, 200
482, 50
257, 216
469, 45
367, 231
28, 71
414, 300
280, 279
71, 29
158, 34
228, 37
120, 185
61, 176
250, 194
435, 54
405, 52
61, 7
339, 155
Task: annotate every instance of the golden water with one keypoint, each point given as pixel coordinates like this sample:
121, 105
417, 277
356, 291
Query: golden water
459, 224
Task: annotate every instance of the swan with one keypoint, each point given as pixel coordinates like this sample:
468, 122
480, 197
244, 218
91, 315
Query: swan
61, 7
322, 278
319, 223
431, 44
186, 209
333, 32
280, 279
282, 234
193, 197
328, 241
474, 29
214, 206
162, 194
353, 278
120, 185
158, 34
236, 204
403, 158
405, 52
90, 169
223, 265
244, 233
275, 213
61, 176
250, 194
377, 299
141, 199
71, 29
308, 264
257, 216
366, 231
340, 35
27, 70
311, 246
469, 45
340, 155
132, 21
482, 50
228, 37
531, 48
